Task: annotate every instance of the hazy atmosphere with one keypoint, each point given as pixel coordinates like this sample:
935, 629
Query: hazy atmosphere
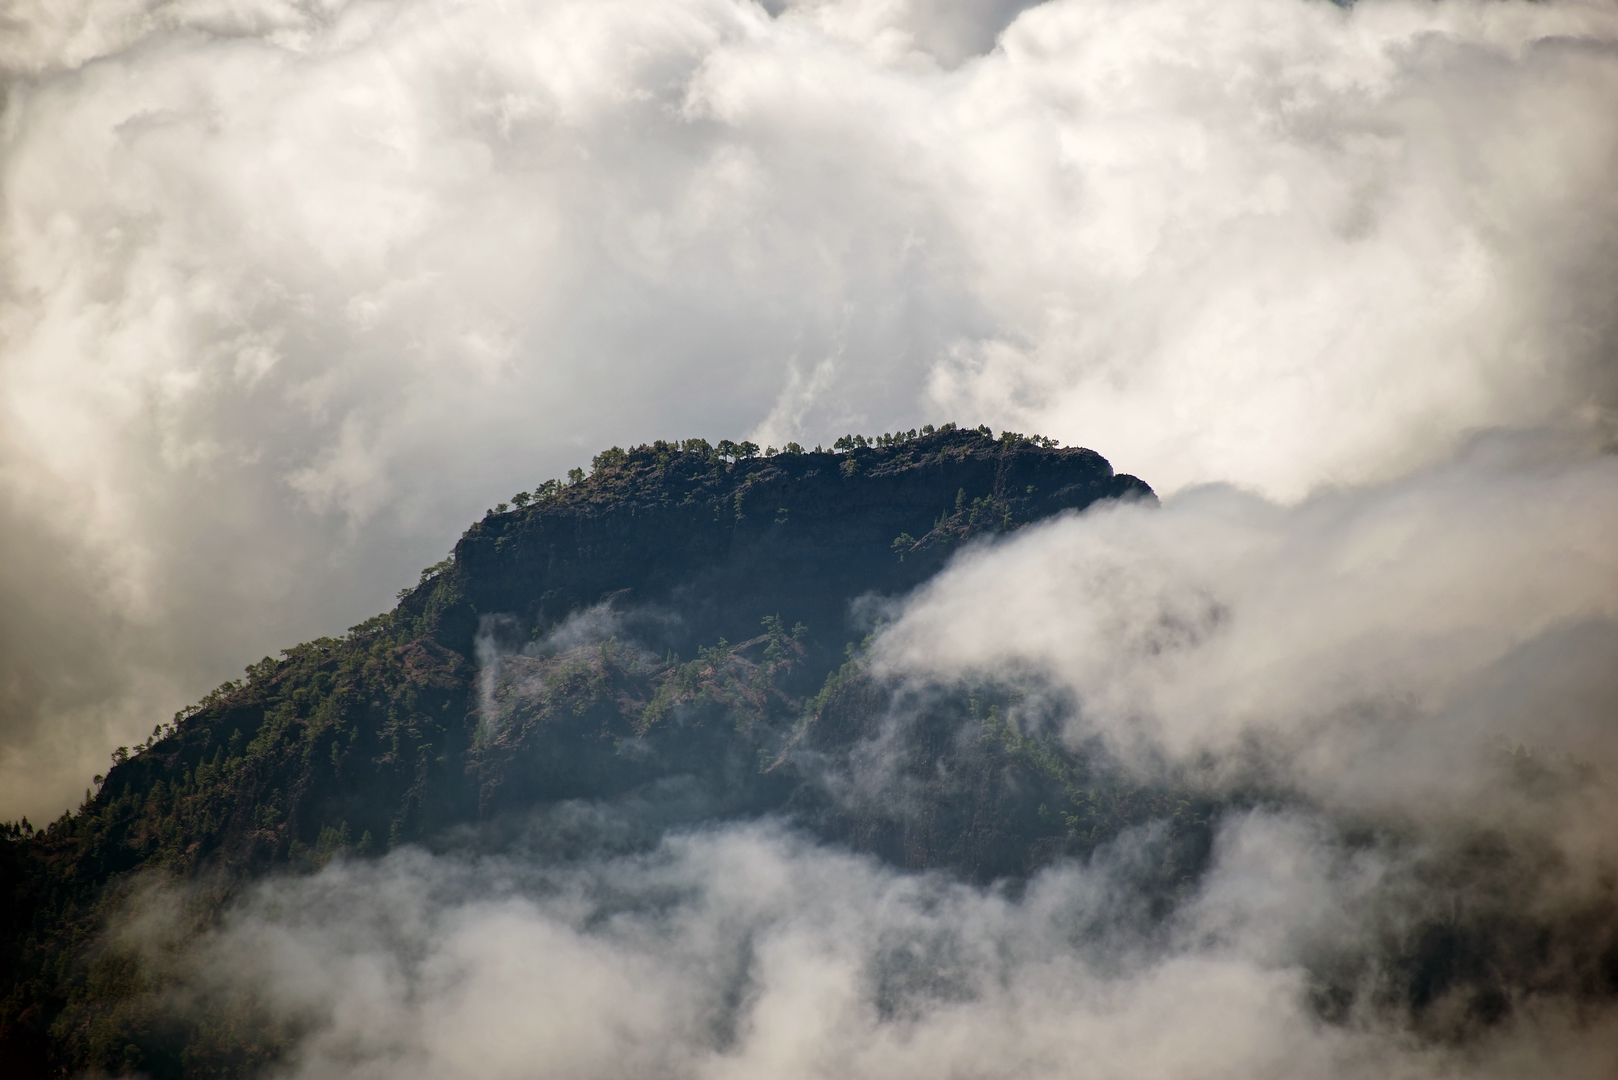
291, 292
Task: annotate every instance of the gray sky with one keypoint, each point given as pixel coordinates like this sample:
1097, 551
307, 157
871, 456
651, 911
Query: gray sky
291, 292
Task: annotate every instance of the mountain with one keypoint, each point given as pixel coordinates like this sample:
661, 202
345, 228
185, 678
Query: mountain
676, 633
678, 639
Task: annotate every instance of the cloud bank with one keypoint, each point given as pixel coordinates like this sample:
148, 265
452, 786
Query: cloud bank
745, 951
1193, 627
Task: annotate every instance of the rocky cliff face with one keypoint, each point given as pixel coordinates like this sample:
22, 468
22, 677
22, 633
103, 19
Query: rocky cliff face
578, 610
704, 548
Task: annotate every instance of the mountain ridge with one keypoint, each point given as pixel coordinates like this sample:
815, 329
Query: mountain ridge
424, 721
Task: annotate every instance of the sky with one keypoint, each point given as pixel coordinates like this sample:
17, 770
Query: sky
290, 292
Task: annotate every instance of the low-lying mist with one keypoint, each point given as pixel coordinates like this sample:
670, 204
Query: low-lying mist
746, 950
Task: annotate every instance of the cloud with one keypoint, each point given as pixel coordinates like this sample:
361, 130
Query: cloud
747, 950
1192, 626
1283, 244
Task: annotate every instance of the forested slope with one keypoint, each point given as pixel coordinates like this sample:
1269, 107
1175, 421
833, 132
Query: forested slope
675, 627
